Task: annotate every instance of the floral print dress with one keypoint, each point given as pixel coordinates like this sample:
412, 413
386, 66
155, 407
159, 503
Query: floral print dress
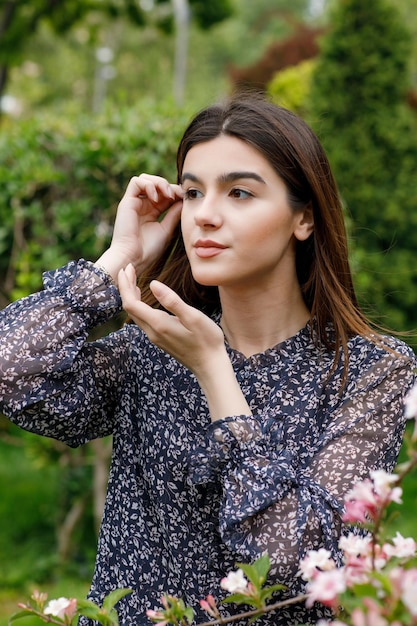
188, 498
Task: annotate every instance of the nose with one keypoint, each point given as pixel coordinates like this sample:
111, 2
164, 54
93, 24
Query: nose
208, 213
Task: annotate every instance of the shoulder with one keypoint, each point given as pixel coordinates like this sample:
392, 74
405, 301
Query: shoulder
376, 347
381, 358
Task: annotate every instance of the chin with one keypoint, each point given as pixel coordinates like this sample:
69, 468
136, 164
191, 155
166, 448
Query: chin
206, 279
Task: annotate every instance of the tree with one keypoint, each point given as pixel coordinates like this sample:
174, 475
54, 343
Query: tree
61, 182
358, 108
301, 45
20, 20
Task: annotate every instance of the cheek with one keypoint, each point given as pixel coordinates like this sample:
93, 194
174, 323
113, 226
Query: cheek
269, 235
185, 228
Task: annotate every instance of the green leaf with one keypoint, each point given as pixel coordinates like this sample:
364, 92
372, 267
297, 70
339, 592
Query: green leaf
85, 604
239, 598
256, 572
90, 611
114, 596
19, 615
189, 614
269, 591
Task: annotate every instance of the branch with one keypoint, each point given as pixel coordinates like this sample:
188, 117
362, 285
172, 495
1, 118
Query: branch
255, 612
9, 10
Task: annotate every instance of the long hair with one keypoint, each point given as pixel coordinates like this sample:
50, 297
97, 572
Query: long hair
296, 155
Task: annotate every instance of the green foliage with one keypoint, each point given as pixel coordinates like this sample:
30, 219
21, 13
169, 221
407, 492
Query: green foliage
256, 594
62, 180
106, 615
291, 87
143, 60
27, 518
20, 20
36, 496
209, 13
358, 108
205, 14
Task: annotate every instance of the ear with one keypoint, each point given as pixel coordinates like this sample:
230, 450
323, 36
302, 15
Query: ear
304, 225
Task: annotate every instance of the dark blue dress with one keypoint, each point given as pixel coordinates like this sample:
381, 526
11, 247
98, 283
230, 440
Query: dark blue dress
188, 498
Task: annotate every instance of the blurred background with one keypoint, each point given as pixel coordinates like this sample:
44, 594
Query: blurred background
95, 91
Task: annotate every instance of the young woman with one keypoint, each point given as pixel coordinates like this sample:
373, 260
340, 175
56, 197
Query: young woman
249, 395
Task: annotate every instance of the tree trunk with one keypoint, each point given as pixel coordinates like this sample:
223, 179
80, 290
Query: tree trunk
66, 529
182, 22
102, 452
6, 18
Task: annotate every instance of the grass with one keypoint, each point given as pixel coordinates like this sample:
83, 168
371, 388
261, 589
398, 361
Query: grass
68, 587
29, 495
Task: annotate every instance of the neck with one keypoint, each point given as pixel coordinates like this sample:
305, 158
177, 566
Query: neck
254, 322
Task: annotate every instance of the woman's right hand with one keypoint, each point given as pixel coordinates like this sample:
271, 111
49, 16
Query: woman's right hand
139, 236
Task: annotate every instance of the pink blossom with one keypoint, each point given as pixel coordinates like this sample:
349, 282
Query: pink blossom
402, 547
371, 617
357, 570
358, 617
361, 502
366, 498
325, 588
409, 590
209, 606
40, 598
314, 561
383, 486
361, 558
62, 607
353, 545
362, 490
235, 582
153, 615
358, 511
396, 577
411, 403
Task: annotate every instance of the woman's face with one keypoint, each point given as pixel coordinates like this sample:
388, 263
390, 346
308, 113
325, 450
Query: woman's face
237, 225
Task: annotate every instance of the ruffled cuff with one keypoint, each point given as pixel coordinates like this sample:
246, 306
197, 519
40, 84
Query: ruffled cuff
245, 456
232, 442
85, 288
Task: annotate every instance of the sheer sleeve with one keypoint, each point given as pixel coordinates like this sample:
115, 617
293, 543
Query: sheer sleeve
285, 499
52, 381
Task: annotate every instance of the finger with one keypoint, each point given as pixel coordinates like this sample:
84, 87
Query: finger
154, 188
141, 187
171, 218
163, 188
142, 314
171, 301
129, 291
178, 191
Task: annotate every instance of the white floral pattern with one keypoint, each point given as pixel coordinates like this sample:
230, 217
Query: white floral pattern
187, 499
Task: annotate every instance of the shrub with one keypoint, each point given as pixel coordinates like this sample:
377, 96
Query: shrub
358, 108
62, 180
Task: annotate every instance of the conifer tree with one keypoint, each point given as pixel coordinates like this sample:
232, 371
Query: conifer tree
359, 111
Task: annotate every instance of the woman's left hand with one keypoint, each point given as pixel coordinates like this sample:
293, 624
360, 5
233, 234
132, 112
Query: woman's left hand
191, 338
188, 334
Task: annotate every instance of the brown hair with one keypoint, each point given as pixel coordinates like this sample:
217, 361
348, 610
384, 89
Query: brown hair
295, 153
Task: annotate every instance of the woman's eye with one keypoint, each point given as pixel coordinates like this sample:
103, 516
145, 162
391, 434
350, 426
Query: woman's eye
192, 194
241, 194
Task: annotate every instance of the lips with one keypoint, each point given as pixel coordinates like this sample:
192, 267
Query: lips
206, 248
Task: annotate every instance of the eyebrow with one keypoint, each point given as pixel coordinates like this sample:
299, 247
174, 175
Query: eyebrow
229, 177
